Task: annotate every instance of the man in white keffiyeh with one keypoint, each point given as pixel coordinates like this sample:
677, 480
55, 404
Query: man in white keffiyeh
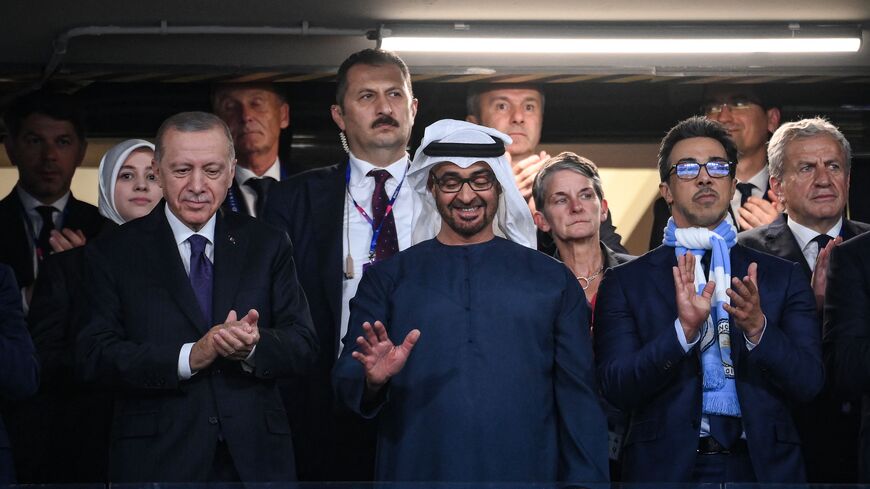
706, 343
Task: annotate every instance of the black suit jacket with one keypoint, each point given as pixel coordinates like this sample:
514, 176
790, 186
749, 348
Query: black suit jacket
777, 239
331, 443
19, 369
644, 370
828, 427
15, 247
144, 310
847, 332
46, 429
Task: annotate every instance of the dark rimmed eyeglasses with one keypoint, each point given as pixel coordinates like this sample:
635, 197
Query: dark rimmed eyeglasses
734, 103
452, 184
689, 169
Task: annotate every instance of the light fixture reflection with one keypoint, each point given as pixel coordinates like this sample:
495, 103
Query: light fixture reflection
621, 46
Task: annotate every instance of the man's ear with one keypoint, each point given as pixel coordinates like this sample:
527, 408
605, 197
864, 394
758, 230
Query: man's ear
776, 186
604, 210
284, 114
665, 191
472, 119
337, 116
773, 118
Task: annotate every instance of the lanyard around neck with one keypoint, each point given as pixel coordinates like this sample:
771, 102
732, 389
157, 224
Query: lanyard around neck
376, 230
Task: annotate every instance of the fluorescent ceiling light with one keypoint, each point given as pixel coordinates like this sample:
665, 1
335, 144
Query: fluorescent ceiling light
468, 44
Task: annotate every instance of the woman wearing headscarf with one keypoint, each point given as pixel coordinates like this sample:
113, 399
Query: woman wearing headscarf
62, 435
128, 187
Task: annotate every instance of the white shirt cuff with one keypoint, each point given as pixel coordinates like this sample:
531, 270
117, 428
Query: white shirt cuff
248, 363
750, 345
184, 372
682, 336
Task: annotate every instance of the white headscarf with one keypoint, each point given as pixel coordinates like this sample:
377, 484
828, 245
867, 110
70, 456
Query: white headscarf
513, 219
110, 165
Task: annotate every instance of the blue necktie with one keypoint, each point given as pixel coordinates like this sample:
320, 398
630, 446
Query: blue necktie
201, 275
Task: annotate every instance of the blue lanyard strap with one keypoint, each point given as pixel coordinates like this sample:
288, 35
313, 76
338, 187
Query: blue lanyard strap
376, 230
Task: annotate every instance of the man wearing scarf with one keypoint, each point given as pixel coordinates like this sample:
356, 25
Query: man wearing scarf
707, 344
471, 348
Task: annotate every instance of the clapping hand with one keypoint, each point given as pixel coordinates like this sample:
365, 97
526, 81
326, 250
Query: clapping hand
692, 308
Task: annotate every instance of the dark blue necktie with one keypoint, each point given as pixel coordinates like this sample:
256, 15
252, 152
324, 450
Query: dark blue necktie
822, 240
201, 275
745, 190
43, 247
261, 188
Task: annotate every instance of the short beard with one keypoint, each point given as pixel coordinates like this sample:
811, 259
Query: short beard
465, 229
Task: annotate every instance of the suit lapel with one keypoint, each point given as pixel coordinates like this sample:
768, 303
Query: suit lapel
165, 260
17, 241
739, 269
327, 201
230, 249
780, 242
663, 260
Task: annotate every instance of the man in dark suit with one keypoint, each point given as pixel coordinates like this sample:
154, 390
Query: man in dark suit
332, 215
810, 162
46, 143
195, 401
19, 369
707, 372
750, 118
847, 332
256, 113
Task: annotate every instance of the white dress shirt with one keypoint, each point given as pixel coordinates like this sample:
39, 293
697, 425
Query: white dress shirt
761, 180
804, 237
357, 232
248, 194
34, 224
181, 233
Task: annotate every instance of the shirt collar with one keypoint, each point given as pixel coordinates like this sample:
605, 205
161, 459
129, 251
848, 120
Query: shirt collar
761, 179
360, 169
182, 232
30, 202
803, 235
243, 174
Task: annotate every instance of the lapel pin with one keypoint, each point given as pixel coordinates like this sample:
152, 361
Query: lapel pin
232, 239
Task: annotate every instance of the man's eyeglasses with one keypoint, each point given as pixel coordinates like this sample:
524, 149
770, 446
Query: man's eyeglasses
452, 184
733, 104
689, 169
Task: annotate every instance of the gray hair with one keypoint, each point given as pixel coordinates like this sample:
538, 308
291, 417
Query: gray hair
565, 161
193, 122
804, 128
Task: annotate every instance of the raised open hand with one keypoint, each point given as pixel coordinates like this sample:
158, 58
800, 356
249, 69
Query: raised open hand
692, 309
379, 356
819, 281
745, 307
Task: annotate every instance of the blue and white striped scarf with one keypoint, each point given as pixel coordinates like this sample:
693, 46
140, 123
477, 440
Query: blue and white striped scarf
720, 391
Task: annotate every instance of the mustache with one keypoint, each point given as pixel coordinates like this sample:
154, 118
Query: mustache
476, 201
705, 191
385, 119
197, 198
